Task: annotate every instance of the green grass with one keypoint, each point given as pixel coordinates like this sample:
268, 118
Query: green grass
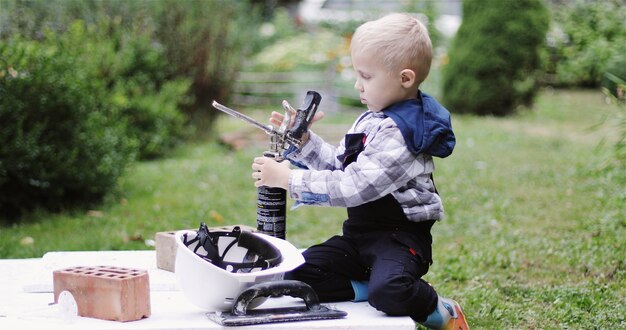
533, 238
535, 234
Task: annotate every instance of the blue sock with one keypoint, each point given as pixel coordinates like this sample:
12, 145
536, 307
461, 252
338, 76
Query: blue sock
440, 316
360, 290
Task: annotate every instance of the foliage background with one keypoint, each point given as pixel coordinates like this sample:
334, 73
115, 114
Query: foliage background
160, 63
148, 68
587, 39
535, 201
494, 58
63, 145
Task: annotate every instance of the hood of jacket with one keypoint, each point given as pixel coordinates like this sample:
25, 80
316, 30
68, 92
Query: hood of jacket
425, 125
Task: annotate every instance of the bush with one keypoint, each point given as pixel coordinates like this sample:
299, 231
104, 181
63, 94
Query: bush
90, 84
206, 41
586, 36
135, 73
144, 44
129, 63
61, 145
153, 117
133, 70
494, 58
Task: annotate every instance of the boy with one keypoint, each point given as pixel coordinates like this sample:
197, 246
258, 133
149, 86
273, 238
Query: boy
382, 173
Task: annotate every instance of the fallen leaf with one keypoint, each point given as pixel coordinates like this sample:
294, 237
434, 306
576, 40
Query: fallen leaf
95, 214
27, 240
216, 216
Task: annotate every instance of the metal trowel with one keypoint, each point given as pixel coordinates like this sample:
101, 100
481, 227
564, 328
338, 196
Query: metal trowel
240, 314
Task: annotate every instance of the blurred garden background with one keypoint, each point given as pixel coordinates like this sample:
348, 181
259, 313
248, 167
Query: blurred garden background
107, 135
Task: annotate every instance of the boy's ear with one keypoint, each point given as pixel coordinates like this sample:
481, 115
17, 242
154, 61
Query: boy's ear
408, 77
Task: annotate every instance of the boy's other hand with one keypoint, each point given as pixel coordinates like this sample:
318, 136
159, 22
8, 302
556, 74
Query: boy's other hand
270, 173
277, 118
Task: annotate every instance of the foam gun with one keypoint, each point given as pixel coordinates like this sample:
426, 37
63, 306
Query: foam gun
272, 201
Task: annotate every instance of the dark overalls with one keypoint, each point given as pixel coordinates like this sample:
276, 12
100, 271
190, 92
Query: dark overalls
380, 245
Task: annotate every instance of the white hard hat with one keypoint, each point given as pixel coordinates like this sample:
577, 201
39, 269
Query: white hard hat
214, 267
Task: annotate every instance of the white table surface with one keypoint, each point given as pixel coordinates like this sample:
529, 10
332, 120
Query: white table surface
26, 299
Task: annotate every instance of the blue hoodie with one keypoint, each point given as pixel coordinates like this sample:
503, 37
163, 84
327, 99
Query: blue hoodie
425, 125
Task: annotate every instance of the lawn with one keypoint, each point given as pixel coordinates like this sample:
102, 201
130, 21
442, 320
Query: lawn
534, 235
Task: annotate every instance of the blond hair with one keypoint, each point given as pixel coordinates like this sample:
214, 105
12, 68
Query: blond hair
400, 41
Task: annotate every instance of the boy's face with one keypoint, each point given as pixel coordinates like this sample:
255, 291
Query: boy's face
378, 88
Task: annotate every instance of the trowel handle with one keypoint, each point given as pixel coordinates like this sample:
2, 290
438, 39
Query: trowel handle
291, 288
305, 114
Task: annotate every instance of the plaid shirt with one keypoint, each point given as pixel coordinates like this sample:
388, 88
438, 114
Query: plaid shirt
384, 166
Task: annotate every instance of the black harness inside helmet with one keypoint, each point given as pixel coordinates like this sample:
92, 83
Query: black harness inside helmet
266, 254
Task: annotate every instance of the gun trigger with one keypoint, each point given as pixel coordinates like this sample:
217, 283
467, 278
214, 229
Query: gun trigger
287, 119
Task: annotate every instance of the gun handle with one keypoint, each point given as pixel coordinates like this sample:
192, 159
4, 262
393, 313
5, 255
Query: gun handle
305, 114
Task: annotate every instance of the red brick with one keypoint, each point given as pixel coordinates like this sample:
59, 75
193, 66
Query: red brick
106, 292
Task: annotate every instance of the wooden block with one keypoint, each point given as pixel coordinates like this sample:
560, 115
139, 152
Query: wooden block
165, 245
106, 292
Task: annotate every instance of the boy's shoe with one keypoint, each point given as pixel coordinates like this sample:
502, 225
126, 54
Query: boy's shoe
457, 320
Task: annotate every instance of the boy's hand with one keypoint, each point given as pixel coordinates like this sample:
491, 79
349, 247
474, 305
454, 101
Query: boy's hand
270, 173
277, 118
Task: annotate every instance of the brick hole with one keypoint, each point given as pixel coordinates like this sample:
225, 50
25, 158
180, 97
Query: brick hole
112, 271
